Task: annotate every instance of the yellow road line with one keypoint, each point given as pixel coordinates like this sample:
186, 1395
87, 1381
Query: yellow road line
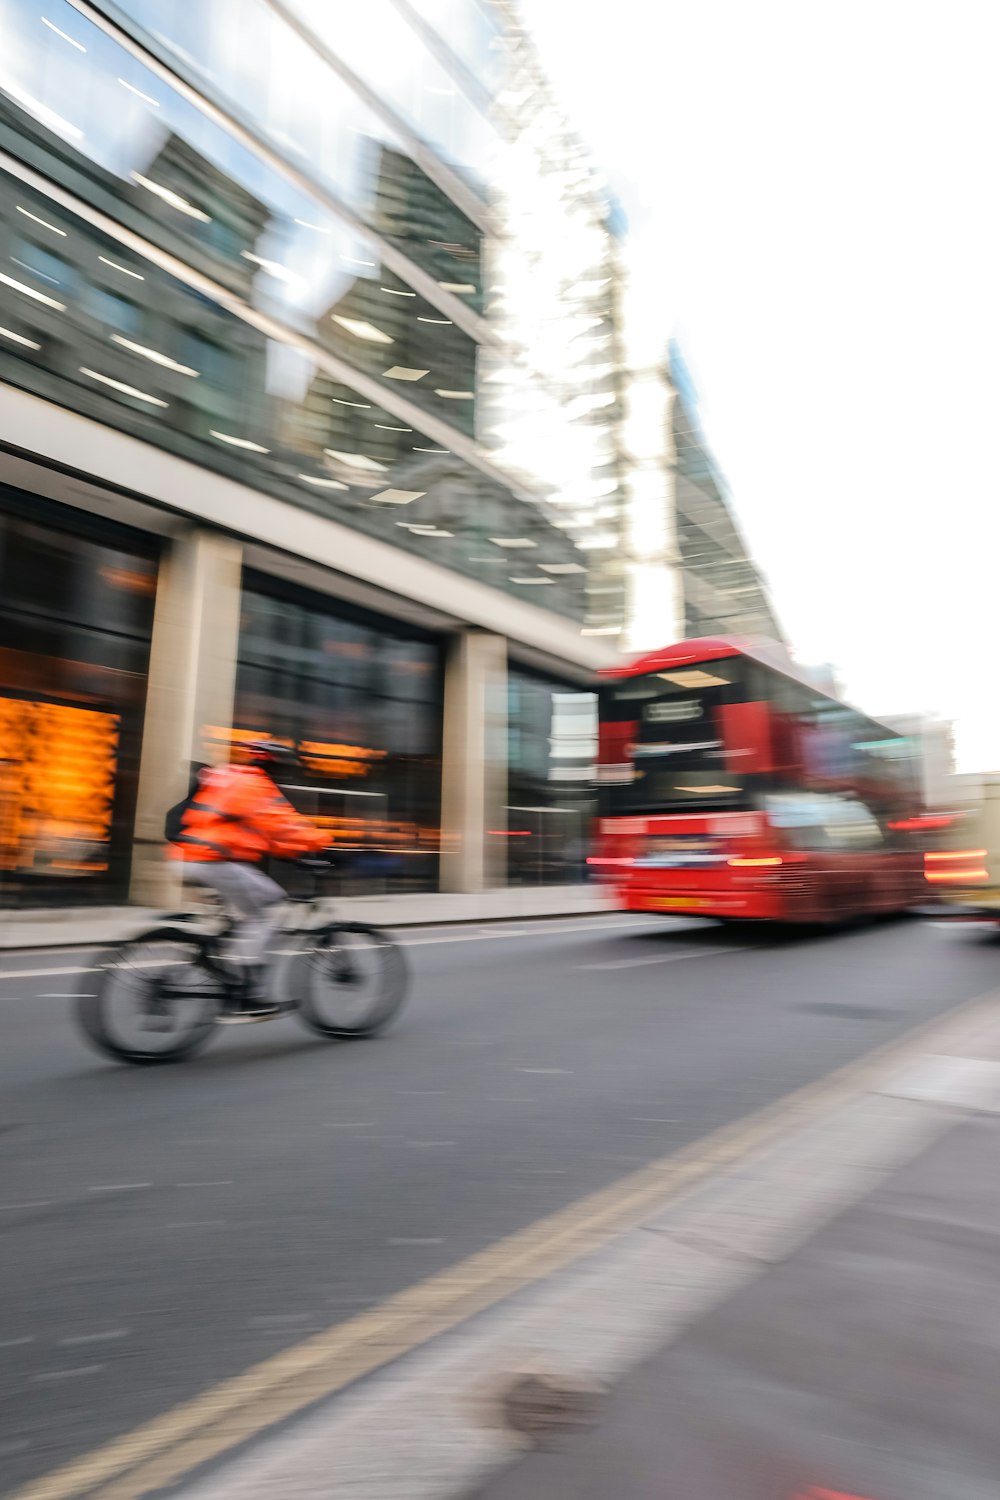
237, 1409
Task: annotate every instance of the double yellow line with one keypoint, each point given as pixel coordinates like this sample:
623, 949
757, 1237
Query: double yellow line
174, 1444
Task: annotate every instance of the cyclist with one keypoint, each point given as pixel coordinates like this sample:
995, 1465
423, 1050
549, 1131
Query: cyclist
233, 820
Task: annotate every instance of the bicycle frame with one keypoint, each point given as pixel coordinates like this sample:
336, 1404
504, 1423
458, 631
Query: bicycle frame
216, 922
208, 909
311, 932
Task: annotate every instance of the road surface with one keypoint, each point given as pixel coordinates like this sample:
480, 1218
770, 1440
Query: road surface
165, 1228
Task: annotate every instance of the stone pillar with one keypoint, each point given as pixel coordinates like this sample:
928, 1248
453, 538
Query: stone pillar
192, 681
654, 604
474, 764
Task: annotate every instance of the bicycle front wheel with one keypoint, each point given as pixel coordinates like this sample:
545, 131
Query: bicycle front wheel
154, 999
353, 981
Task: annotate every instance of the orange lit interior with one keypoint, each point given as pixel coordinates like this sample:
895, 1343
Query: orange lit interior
330, 759
57, 779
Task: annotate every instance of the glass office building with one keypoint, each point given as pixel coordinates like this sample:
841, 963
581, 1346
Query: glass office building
290, 445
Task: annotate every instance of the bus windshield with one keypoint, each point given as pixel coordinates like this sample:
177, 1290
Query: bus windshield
661, 740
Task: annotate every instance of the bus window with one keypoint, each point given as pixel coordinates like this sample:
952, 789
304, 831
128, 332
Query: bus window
800, 817
675, 757
850, 825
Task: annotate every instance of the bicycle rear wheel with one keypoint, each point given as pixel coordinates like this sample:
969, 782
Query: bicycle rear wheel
154, 999
353, 981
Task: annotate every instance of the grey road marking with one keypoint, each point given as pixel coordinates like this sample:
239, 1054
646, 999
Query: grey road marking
662, 958
118, 1187
280, 1320
41, 973
95, 1338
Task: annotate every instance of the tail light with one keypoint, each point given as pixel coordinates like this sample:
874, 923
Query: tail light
955, 866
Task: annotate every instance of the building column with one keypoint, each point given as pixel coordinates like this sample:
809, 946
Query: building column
192, 683
474, 764
654, 576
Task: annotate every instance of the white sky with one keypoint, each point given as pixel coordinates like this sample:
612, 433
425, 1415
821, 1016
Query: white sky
813, 197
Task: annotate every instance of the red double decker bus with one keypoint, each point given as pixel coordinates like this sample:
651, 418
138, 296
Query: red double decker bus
730, 787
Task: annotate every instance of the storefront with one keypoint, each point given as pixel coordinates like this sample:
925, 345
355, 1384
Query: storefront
361, 698
551, 749
76, 608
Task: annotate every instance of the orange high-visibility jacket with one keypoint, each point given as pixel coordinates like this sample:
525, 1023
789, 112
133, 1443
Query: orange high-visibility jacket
239, 814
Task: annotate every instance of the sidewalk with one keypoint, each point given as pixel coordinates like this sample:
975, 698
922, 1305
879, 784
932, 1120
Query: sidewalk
75, 926
863, 1366
804, 1305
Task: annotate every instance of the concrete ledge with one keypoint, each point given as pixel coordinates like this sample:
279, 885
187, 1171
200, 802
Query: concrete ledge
484, 906
76, 926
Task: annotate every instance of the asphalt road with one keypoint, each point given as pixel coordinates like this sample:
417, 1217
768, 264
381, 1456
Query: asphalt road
161, 1229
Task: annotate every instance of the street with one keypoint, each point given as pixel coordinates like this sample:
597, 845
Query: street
164, 1229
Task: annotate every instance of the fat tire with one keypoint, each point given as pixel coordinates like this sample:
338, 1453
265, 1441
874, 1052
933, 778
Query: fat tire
90, 1007
395, 980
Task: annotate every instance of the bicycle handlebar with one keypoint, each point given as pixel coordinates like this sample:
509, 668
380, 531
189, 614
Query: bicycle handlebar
329, 862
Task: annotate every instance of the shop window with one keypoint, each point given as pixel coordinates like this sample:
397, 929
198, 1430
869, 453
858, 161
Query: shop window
76, 605
552, 742
362, 701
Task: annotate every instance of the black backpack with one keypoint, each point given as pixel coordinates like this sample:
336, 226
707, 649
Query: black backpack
173, 823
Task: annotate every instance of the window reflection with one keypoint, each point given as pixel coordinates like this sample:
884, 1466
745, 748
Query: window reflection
86, 322
551, 751
469, 32
274, 81
126, 343
183, 170
333, 285
362, 701
375, 41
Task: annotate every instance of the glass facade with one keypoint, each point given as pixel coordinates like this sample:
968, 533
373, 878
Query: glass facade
376, 43
723, 590
76, 609
470, 32
247, 50
95, 328
361, 698
248, 323
552, 748
309, 248
553, 390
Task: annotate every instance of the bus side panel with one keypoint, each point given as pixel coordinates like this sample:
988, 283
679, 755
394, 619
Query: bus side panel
644, 859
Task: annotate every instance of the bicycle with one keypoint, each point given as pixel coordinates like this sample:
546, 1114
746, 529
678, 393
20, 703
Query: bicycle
176, 984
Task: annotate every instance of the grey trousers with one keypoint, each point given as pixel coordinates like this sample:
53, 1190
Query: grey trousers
252, 897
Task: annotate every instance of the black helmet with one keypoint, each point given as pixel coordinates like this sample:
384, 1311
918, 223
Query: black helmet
271, 756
